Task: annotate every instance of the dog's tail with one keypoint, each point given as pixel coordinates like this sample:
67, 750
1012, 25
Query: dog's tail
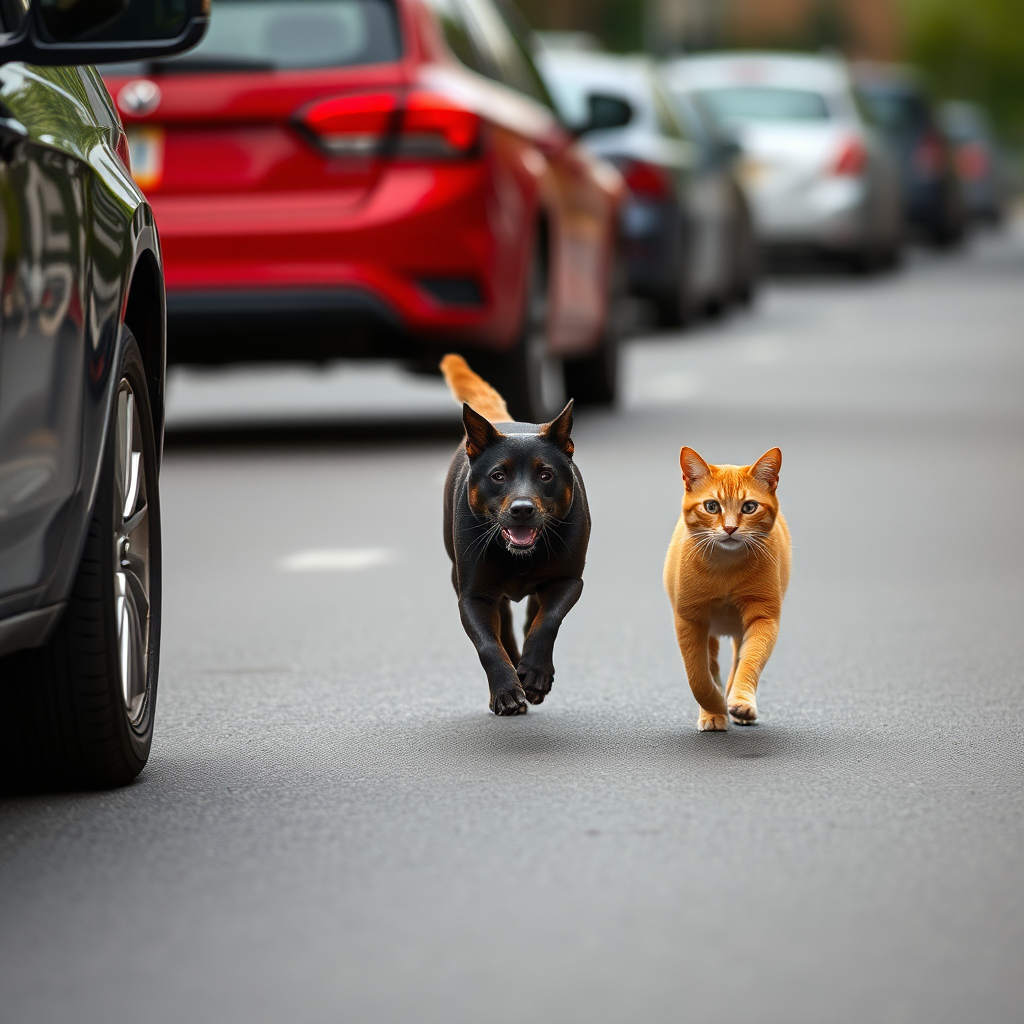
472, 389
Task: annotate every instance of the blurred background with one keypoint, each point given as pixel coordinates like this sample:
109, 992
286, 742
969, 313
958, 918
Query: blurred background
970, 51
300, 191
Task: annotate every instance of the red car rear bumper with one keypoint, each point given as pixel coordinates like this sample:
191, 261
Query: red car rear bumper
416, 251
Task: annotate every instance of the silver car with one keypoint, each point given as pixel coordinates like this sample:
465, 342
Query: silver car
685, 223
816, 173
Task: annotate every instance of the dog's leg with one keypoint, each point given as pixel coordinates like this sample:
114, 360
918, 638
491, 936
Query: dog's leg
508, 633
481, 618
536, 667
532, 607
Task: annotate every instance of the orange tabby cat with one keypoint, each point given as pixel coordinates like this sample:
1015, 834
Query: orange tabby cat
726, 573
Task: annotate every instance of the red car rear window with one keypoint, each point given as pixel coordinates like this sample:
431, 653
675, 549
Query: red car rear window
272, 35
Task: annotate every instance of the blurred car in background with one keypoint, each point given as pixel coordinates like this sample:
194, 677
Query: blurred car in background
977, 158
899, 105
382, 179
81, 399
816, 173
685, 223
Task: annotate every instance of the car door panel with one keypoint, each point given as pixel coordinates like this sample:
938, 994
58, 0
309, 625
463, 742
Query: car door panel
43, 308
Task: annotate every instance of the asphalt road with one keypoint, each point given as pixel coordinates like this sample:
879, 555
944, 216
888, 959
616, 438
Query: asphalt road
332, 826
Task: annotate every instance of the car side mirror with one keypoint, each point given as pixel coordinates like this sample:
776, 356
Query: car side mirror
53, 32
605, 111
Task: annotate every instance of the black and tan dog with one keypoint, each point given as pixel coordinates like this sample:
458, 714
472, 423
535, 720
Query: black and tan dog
516, 524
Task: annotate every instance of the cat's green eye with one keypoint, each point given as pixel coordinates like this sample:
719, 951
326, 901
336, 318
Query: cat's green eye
712, 506
748, 506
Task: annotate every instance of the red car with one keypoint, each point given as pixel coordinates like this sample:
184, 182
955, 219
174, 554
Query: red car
377, 178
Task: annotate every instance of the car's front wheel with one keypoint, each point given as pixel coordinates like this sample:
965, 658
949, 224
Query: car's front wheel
79, 710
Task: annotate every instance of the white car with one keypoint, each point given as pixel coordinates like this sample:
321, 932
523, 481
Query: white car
817, 174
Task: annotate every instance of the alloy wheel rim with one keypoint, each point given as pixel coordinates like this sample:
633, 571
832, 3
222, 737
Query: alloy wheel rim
131, 555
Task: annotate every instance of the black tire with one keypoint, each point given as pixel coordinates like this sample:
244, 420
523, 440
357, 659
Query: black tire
950, 228
676, 307
528, 377
68, 718
594, 379
746, 265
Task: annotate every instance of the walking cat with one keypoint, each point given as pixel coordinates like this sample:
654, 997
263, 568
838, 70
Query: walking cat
726, 573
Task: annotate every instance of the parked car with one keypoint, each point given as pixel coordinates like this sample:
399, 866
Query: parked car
816, 172
81, 398
377, 178
977, 158
898, 103
686, 223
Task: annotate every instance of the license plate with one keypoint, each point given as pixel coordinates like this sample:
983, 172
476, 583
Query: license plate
146, 152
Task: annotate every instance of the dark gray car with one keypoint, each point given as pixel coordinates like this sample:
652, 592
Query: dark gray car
82, 357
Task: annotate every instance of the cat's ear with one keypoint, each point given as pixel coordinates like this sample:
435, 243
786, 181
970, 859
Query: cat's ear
480, 432
559, 430
695, 469
766, 469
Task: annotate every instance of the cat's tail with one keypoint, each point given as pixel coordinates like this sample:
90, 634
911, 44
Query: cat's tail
472, 389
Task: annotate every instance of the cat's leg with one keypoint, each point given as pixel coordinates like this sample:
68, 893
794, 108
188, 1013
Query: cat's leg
694, 647
759, 636
732, 668
716, 672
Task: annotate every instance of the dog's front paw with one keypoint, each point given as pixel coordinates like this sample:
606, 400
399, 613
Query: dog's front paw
712, 723
509, 702
536, 679
743, 712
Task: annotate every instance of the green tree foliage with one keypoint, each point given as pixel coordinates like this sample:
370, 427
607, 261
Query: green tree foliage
972, 49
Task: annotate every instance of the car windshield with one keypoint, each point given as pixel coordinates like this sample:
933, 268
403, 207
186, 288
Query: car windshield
272, 35
741, 104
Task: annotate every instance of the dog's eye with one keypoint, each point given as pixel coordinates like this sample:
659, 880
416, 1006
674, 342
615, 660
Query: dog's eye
545, 476
712, 506
748, 506
498, 476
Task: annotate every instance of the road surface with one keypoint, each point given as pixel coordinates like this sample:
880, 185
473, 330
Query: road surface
332, 827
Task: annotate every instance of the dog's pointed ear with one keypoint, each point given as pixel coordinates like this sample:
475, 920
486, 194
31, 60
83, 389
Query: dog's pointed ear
766, 469
480, 432
559, 430
694, 468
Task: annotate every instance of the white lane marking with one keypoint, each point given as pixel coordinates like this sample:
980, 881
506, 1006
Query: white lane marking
336, 559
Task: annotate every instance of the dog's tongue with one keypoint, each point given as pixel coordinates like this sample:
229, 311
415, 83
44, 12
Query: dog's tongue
521, 536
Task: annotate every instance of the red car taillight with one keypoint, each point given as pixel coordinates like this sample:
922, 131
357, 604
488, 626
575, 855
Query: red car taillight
648, 180
972, 161
434, 126
851, 159
421, 125
928, 156
352, 125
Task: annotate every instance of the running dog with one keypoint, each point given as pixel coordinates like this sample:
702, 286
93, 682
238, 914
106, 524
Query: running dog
516, 524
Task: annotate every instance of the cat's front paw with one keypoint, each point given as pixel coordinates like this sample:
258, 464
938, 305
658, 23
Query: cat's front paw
712, 723
743, 712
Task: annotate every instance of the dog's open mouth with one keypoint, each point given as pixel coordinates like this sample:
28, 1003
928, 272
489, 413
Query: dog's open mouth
519, 536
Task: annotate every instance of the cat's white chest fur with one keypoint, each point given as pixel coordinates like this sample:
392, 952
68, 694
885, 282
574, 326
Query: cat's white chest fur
726, 621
